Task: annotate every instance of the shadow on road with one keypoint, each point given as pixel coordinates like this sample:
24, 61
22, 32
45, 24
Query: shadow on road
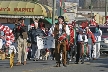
102, 61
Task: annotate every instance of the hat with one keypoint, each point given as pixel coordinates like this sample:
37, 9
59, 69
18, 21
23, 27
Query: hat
32, 25
21, 19
62, 17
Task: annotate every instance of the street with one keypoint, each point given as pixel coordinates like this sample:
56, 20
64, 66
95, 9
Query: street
100, 65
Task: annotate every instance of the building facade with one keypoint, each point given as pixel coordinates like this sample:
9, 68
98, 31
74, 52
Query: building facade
96, 3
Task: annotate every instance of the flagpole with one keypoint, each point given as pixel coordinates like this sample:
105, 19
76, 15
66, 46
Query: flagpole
61, 7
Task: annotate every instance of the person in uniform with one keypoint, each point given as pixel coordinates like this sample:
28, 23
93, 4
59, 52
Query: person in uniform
79, 44
60, 31
91, 42
93, 21
21, 32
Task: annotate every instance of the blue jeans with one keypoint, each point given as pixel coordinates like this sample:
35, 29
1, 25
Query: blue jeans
90, 48
34, 49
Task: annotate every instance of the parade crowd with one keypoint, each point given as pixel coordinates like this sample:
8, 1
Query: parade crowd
71, 42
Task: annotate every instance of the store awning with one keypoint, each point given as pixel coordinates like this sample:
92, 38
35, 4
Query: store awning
50, 20
20, 8
49, 13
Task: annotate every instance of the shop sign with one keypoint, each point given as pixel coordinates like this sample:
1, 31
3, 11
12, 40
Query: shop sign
18, 9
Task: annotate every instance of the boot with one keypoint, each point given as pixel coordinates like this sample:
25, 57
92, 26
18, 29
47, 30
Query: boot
64, 65
24, 63
18, 63
58, 65
67, 61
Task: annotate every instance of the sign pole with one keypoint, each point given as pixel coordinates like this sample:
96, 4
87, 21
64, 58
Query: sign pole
54, 10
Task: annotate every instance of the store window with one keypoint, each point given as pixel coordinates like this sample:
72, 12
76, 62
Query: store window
8, 20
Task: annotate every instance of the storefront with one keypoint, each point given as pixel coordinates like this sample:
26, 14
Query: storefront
10, 11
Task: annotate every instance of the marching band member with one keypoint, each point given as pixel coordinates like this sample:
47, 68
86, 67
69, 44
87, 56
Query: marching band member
91, 41
60, 30
71, 41
106, 23
79, 44
93, 21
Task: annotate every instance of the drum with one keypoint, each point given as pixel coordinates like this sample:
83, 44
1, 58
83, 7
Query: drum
62, 37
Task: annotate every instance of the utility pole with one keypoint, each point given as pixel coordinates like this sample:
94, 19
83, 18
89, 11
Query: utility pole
106, 6
91, 6
54, 11
61, 7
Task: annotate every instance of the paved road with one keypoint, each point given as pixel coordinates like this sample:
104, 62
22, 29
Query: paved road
100, 65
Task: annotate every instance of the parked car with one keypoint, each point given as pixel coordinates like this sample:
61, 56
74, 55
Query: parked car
104, 37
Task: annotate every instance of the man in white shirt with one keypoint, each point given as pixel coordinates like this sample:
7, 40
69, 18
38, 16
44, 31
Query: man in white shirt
98, 34
60, 31
81, 38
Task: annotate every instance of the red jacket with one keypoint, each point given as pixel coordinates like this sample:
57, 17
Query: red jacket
72, 36
93, 22
92, 37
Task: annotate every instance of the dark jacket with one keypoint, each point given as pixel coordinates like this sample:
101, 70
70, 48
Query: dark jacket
33, 33
22, 32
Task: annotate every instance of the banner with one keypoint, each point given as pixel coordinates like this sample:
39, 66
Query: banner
1, 43
45, 42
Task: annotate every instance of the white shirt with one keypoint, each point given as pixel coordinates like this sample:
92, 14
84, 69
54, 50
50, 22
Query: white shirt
86, 40
35, 23
60, 29
98, 35
80, 38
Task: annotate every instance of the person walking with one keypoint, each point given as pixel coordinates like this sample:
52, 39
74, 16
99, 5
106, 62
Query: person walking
98, 34
21, 32
33, 33
60, 31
